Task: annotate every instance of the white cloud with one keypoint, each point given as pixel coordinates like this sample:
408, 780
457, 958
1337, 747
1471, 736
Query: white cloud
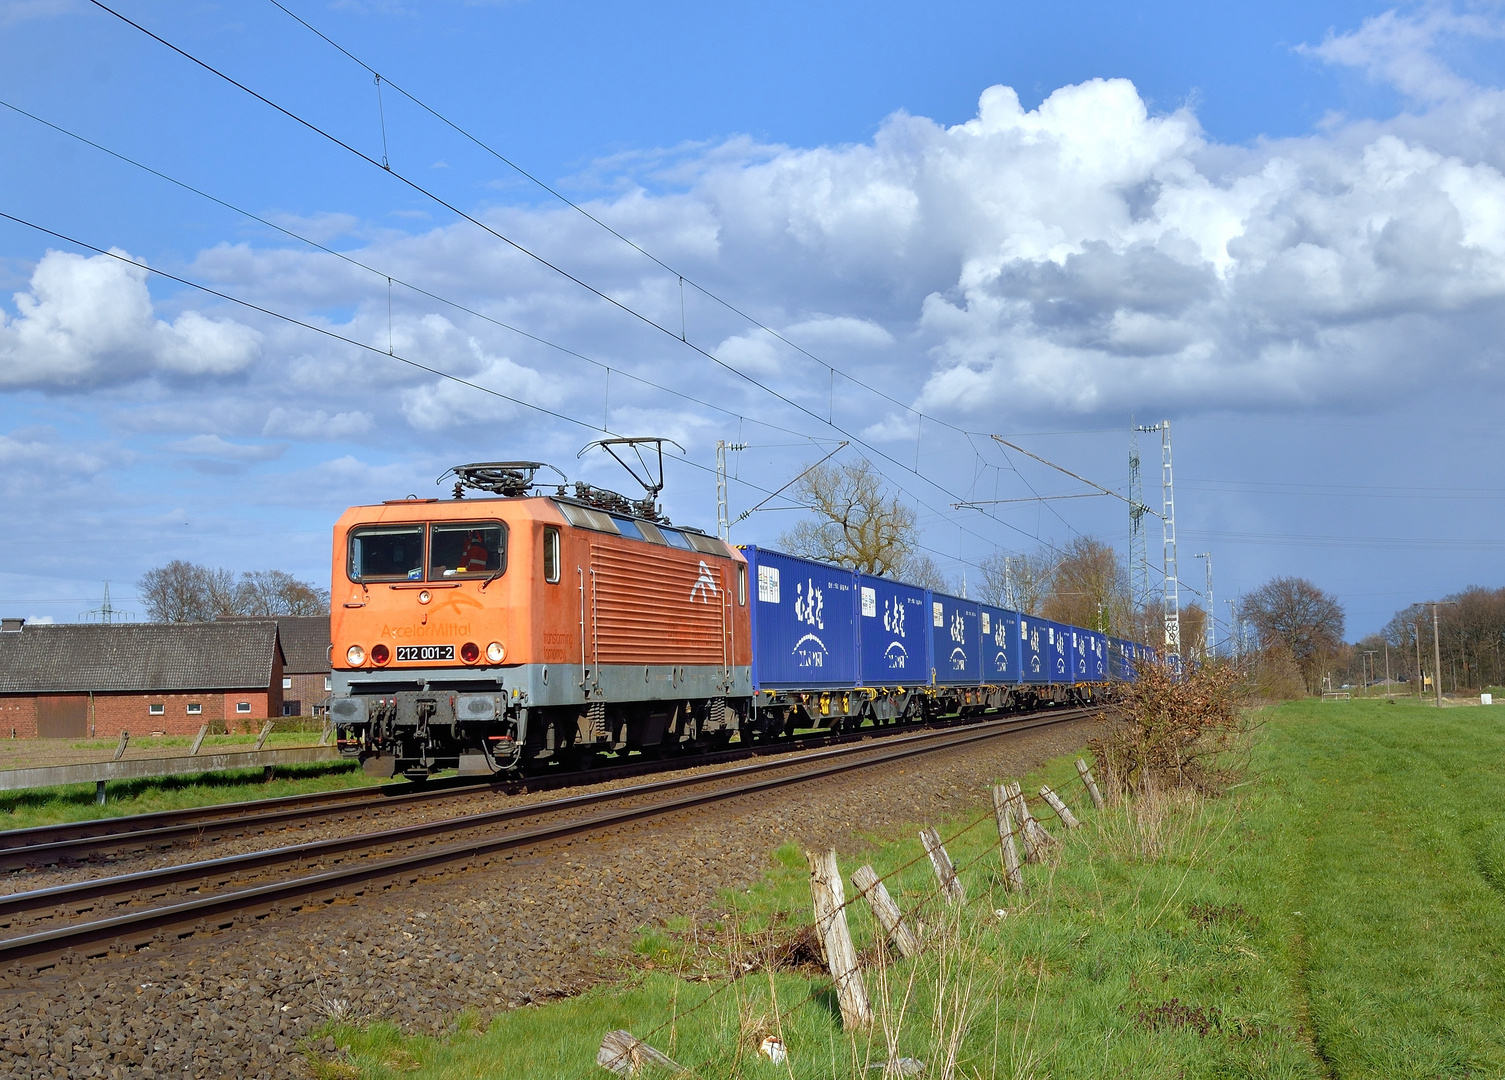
89, 321
1400, 49
212, 446
316, 424
445, 404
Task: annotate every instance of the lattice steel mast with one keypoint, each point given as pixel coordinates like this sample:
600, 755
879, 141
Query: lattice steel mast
1139, 557
1168, 532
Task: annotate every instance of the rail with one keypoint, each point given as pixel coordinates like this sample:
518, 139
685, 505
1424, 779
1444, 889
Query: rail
239, 904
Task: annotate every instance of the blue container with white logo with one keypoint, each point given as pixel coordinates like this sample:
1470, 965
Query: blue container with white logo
1034, 650
955, 640
893, 620
1058, 642
1000, 646
803, 623
1097, 656
1081, 648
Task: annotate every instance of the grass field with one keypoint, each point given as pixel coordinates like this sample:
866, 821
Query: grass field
1339, 914
75, 802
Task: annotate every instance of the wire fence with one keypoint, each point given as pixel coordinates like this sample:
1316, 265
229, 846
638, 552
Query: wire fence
738, 973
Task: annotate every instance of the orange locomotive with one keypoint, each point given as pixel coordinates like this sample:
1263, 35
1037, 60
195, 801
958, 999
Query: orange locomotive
508, 630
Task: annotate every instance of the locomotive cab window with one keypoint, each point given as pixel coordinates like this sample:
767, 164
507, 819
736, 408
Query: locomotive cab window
550, 554
461, 551
386, 552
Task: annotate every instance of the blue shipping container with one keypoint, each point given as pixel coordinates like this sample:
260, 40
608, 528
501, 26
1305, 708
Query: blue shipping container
803, 623
1000, 646
1034, 650
1060, 659
1097, 656
892, 629
955, 640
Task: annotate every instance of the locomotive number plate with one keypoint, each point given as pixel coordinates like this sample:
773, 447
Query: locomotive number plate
425, 652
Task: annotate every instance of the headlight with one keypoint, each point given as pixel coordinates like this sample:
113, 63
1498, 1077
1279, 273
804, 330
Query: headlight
496, 652
355, 656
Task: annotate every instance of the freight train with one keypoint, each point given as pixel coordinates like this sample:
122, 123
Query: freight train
511, 629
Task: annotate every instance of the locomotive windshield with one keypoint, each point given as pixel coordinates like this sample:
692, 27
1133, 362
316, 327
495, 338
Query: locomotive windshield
386, 551
461, 550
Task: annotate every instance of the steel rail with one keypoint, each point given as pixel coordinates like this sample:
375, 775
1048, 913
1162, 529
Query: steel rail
128, 930
77, 842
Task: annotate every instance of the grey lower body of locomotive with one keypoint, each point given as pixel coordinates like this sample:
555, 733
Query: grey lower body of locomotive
485, 720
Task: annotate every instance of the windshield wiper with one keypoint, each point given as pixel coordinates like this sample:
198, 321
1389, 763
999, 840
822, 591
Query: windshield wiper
495, 574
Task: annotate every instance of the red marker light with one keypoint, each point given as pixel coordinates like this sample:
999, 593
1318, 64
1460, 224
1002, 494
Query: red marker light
380, 654
470, 652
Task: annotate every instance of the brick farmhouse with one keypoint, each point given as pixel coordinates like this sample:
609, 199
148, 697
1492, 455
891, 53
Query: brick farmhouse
305, 669
80, 680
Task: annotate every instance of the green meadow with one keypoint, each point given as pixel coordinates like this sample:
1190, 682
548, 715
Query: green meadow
1338, 913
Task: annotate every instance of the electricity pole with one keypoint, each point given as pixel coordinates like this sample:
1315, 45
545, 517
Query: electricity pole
723, 514
1371, 654
1436, 658
1212, 609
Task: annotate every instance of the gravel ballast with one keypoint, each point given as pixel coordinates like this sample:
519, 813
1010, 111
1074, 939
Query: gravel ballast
541, 924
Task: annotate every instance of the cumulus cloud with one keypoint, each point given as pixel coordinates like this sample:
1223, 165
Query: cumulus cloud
90, 321
444, 404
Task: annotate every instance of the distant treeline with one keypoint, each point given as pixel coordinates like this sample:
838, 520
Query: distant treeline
1470, 632
186, 592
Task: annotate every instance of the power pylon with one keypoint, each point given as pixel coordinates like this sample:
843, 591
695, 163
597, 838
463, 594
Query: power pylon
1168, 535
1139, 558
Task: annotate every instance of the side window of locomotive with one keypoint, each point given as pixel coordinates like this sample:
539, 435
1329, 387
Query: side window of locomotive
386, 552
741, 584
675, 538
551, 554
461, 551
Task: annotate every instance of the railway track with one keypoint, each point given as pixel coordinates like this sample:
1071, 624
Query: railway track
80, 842
122, 913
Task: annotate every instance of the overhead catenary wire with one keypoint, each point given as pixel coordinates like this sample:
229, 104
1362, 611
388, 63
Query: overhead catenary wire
376, 350
614, 302
391, 279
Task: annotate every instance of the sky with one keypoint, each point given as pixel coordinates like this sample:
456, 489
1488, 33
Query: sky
227, 312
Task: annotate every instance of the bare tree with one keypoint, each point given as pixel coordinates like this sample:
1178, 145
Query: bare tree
276, 592
1017, 582
920, 569
857, 524
1300, 616
185, 592
174, 593
1089, 587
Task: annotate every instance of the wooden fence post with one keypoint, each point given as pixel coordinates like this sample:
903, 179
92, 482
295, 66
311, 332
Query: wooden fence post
831, 926
886, 911
125, 737
1086, 775
945, 869
1067, 817
198, 740
1037, 841
625, 1055
1013, 799
1005, 816
266, 730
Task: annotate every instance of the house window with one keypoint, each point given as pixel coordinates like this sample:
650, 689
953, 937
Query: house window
287, 684
194, 708
156, 708
327, 683
242, 706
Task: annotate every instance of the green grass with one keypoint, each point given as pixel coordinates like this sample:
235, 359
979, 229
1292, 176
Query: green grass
1337, 915
75, 802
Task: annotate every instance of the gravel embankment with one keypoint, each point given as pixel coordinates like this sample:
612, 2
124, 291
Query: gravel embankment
541, 924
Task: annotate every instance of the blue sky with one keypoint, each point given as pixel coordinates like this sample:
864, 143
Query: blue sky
1279, 226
